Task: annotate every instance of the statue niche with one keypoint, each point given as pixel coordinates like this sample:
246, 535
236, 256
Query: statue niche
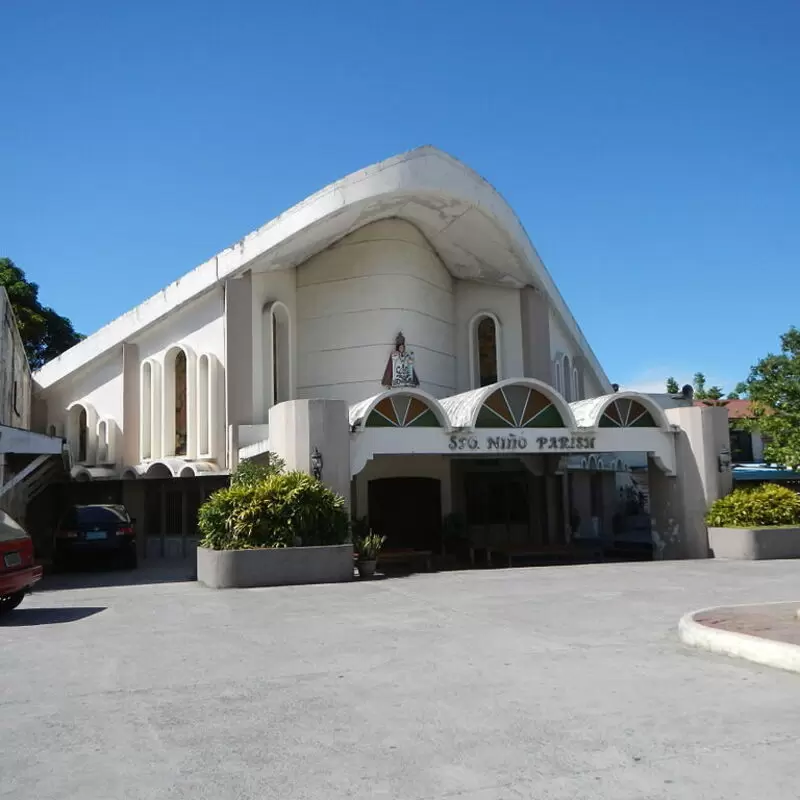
400, 370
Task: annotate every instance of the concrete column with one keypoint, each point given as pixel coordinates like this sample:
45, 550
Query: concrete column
297, 427
238, 359
678, 504
130, 405
535, 316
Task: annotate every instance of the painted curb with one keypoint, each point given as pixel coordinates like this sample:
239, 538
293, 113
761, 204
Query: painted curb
768, 652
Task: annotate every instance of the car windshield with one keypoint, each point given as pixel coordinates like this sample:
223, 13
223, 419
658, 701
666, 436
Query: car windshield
96, 515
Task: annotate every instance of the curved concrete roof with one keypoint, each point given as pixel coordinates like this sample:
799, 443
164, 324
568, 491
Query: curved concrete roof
588, 412
474, 230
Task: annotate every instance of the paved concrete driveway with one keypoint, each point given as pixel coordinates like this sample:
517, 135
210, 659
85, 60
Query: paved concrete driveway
545, 683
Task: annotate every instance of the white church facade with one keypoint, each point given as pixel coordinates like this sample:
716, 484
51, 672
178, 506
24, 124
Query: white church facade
398, 334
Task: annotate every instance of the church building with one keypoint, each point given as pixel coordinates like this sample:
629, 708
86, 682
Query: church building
398, 335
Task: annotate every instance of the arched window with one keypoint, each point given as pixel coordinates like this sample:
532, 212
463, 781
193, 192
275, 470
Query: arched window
576, 387
567, 380
206, 404
559, 382
485, 350
275, 341
150, 411
83, 430
146, 411
181, 398
102, 442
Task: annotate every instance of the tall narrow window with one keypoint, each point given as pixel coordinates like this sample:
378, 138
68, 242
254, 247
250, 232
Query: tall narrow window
83, 429
102, 442
559, 387
203, 404
275, 338
181, 433
487, 352
567, 380
146, 409
576, 388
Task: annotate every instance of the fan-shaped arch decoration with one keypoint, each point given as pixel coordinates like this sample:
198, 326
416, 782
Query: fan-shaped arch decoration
517, 406
624, 413
402, 411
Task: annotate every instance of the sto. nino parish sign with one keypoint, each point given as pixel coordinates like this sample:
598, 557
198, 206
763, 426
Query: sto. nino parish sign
513, 441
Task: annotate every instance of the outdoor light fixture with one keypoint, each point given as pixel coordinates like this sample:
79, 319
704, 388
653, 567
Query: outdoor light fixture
316, 464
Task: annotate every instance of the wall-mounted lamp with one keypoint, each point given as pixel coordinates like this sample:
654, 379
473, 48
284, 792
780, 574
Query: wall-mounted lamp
316, 464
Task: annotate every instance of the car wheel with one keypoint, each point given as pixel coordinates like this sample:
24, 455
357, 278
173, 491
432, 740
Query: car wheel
8, 602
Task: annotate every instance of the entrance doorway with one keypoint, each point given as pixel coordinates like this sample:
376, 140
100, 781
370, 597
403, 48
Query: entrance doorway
408, 512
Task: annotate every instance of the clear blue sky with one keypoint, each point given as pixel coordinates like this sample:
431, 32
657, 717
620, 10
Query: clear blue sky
651, 149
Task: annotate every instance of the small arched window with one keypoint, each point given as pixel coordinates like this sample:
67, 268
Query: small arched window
567, 380
559, 382
102, 442
178, 416
576, 388
485, 350
275, 341
83, 430
181, 397
206, 404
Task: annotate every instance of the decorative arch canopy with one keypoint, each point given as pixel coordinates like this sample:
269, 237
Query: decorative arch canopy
626, 413
402, 411
518, 406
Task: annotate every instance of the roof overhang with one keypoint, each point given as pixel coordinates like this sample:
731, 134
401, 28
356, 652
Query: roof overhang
474, 230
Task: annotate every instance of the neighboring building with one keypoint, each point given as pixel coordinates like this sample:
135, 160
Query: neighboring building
396, 332
28, 460
747, 447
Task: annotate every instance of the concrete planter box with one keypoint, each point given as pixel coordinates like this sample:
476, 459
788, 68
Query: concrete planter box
229, 569
754, 543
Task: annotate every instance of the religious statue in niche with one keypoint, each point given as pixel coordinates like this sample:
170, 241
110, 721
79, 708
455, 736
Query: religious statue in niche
400, 366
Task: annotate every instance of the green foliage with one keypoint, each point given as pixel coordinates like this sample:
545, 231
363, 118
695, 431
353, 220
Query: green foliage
672, 386
767, 504
773, 388
44, 333
282, 510
249, 472
369, 547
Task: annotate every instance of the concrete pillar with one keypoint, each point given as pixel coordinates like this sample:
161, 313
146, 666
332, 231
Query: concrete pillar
298, 427
238, 360
678, 504
130, 405
535, 316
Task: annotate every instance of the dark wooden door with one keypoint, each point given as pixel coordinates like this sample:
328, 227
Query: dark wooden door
407, 511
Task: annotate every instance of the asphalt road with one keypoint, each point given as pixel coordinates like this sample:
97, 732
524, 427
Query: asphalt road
565, 682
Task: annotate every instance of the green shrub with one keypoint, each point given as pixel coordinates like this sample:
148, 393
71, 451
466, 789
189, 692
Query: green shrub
283, 510
250, 472
768, 504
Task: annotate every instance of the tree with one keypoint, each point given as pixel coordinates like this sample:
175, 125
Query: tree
44, 333
773, 388
672, 386
739, 392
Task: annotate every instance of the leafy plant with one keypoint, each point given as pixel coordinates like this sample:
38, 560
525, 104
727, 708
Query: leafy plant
767, 504
281, 510
773, 388
251, 472
369, 547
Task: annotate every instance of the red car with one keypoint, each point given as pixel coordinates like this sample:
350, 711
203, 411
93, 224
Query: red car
17, 570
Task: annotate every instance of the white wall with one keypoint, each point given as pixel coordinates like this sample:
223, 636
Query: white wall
353, 298
471, 300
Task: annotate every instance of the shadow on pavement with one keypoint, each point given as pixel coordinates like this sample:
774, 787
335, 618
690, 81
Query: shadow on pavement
22, 617
101, 576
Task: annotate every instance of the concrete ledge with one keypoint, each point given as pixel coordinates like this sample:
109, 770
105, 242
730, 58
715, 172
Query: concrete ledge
753, 544
283, 566
769, 652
